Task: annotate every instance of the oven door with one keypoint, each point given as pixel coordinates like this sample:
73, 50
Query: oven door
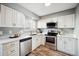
51, 39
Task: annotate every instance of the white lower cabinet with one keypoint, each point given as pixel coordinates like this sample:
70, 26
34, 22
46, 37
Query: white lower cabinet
60, 45
43, 39
34, 42
1, 50
10, 49
37, 40
67, 45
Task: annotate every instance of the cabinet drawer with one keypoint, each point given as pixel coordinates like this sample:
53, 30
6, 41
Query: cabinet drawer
11, 48
11, 44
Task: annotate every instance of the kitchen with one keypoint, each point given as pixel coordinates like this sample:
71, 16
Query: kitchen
36, 29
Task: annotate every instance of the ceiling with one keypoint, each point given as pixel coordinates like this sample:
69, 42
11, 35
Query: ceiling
41, 10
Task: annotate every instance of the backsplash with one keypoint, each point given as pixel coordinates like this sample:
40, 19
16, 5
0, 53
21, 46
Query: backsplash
67, 30
12, 30
62, 30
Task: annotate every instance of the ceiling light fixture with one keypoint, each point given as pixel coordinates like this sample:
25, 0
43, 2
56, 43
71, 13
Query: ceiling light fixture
47, 4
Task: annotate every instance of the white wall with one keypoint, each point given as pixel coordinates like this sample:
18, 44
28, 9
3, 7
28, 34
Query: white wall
76, 30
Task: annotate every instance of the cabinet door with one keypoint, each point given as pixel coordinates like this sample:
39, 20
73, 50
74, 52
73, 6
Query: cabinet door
42, 24
39, 24
39, 39
3, 15
66, 21
19, 20
61, 22
69, 21
60, 45
27, 23
69, 46
6, 16
22, 20
11, 49
1, 50
34, 42
0, 18
32, 24
43, 39
9, 17
14, 18
55, 19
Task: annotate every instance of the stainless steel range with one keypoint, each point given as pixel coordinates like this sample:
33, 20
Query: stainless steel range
51, 36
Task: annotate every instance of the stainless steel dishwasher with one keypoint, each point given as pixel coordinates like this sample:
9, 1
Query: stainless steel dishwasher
25, 46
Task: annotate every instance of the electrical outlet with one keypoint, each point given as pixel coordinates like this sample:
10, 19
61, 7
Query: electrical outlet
10, 32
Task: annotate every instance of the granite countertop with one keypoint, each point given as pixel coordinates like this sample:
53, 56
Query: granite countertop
6, 39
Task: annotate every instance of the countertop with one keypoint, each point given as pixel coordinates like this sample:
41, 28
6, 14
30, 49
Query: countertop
6, 39
68, 35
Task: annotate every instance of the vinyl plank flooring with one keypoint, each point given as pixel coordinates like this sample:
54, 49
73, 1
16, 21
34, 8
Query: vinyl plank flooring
46, 51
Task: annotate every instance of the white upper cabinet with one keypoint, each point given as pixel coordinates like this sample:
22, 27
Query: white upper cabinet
69, 21
66, 21
27, 23
20, 21
41, 24
0, 18
32, 24
8, 16
55, 19
11, 17
61, 22
3, 15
